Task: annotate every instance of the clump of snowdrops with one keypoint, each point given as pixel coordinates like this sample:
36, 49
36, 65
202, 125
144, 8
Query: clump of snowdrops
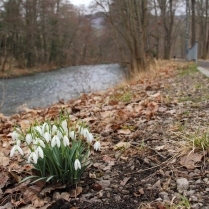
59, 151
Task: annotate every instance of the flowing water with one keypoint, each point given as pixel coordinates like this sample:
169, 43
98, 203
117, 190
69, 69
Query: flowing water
44, 89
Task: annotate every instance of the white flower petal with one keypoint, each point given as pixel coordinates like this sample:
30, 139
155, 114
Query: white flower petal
89, 138
66, 141
72, 135
97, 145
77, 164
13, 151
54, 129
39, 129
47, 136
28, 138
20, 150
42, 143
14, 135
40, 152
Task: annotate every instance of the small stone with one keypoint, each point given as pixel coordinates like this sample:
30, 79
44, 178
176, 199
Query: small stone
197, 171
199, 181
164, 195
189, 193
182, 184
193, 198
117, 198
205, 180
104, 183
207, 189
125, 191
195, 206
126, 197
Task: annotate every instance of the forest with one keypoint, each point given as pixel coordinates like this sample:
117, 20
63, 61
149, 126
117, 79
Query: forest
49, 34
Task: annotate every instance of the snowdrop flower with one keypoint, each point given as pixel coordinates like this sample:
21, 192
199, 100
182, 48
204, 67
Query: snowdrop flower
39, 129
47, 136
66, 141
39, 142
14, 135
28, 138
45, 127
55, 141
85, 132
72, 135
64, 126
97, 145
77, 164
59, 134
39, 152
54, 129
16, 148
89, 138
33, 156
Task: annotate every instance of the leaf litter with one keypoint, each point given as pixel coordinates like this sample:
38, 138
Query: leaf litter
141, 154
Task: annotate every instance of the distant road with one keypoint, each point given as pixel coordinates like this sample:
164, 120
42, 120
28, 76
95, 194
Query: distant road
203, 63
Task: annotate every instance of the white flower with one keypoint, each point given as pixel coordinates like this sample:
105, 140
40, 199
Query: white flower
77, 164
14, 149
97, 145
89, 138
14, 135
64, 125
39, 129
39, 142
45, 127
54, 129
72, 135
47, 136
66, 141
85, 131
34, 157
28, 138
39, 152
55, 141
59, 134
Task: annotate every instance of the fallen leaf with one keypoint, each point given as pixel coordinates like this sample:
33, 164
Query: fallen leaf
189, 160
76, 192
124, 131
158, 148
120, 145
125, 180
3, 179
4, 161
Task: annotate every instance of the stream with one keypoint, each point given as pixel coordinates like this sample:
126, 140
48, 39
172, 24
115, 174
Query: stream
45, 89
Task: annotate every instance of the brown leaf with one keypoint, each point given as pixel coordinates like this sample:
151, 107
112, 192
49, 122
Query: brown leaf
125, 180
76, 192
4, 161
107, 158
120, 145
37, 202
3, 179
189, 160
124, 131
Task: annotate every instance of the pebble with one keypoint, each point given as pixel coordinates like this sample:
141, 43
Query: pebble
164, 196
189, 193
117, 198
199, 181
193, 198
125, 191
182, 184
